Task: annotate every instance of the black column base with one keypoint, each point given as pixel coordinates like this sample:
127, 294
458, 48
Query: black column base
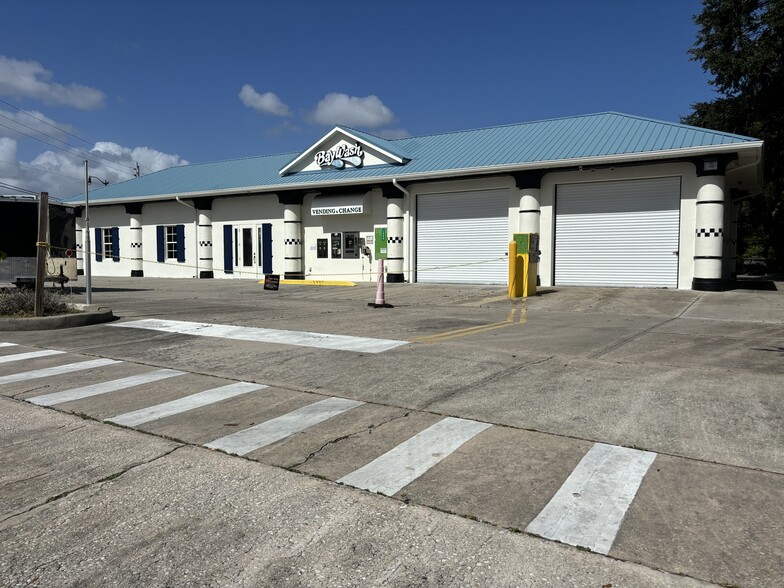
206, 274
80, 272
293, 276
137, 273
707, 284
396, 278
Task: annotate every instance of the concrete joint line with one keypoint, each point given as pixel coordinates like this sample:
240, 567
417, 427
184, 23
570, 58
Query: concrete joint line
108, 478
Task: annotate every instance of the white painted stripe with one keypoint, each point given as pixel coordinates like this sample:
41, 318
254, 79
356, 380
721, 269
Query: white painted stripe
282, 337
159, 411
247, 440
588, 509
102, 388
29, 355
56, 371
402, 465
2, 344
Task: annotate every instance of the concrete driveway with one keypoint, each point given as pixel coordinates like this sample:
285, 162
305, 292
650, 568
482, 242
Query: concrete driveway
690, 383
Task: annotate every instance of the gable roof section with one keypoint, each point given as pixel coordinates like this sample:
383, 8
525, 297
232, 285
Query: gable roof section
383, 146
587, 139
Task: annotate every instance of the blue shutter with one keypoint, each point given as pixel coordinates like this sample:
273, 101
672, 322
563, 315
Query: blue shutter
266, 248
161, 232
228, 257
180, 243
98, 245
115, 243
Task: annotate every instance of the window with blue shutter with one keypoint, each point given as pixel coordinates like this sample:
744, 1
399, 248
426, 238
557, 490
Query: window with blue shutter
228, 257
115, 243
266, 248
98, 245
180, 231
161, 233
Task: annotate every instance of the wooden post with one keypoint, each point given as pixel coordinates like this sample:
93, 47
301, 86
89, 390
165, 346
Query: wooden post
40, 262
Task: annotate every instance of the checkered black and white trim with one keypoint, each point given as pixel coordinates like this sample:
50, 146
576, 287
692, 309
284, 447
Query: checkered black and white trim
136, 245
710, 232
292, 241
205, 243
395, 240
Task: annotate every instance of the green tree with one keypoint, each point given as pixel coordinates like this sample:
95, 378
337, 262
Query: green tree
741, 44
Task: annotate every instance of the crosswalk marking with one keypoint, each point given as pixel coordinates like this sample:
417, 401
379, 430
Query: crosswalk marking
159, 411
266, 433
402, 465
29, 355
102, 387
3, 344
283, 337
588, 508
56, 371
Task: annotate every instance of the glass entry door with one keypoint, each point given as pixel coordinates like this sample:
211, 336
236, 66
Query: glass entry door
247, 251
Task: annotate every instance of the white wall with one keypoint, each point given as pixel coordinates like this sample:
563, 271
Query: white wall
106, 217
482, 183
688, 175
250, 210
322, 226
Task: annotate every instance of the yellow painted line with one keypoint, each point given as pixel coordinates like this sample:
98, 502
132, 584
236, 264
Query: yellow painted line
458, 332
510, 320
315, 282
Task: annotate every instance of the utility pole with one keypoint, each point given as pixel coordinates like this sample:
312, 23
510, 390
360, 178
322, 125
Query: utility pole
40, 261
87, 250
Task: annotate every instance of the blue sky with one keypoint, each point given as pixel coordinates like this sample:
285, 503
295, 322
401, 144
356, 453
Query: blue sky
166, 83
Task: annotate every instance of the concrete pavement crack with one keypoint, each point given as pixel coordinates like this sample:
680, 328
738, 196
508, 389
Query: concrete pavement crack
344, 437
108, 478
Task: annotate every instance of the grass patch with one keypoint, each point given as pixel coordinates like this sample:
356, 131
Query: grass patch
19, 303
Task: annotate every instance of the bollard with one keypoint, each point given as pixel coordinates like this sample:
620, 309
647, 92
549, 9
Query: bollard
380, 298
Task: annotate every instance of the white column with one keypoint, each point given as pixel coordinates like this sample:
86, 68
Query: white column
80, 244
205, 244
529, 210
137, 250
292, 241
709, 237
395, 246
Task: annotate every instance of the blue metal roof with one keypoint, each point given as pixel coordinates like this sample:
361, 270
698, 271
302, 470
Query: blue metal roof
539, 144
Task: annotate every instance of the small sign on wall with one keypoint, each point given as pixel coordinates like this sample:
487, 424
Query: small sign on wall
271, 281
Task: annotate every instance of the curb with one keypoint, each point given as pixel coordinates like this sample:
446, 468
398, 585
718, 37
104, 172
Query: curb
64, 321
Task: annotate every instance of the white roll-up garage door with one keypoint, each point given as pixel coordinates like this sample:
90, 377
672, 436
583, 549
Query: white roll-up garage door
622, 233
462, 237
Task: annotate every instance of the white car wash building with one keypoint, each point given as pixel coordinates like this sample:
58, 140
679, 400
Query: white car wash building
617, 200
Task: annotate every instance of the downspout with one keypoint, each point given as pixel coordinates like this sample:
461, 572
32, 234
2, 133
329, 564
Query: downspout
407, 226
195, 228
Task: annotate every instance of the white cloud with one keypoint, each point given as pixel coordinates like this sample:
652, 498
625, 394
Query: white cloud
31, 121
267, 103
61, 173
29, 79
337, 108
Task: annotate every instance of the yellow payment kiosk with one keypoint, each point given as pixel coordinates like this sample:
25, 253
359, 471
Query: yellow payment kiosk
523, 264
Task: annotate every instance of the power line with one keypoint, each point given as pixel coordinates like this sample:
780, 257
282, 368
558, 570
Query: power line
46, 122
41, 169
23, 190
87, 153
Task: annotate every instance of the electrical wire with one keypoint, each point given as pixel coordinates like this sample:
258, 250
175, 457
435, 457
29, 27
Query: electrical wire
46, 122
23, 190
87, 153
40, 169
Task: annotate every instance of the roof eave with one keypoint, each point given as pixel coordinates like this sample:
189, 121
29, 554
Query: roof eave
443, 174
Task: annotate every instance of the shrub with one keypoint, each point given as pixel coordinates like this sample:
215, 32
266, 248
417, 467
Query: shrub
21, 302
